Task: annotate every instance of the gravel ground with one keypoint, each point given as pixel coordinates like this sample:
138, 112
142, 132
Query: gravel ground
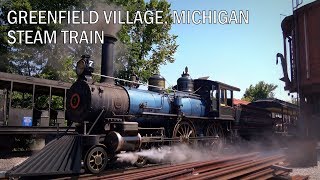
312, 172
8, 163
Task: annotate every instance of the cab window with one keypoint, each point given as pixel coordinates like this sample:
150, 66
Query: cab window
213, 94
225, 97
229, 98
223, 100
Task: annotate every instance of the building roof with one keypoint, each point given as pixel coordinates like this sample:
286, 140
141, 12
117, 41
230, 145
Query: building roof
239, 102
276, 105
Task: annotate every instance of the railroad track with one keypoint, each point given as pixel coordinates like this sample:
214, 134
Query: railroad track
248, 166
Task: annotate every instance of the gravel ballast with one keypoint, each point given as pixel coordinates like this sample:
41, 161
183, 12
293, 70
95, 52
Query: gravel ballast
9, 163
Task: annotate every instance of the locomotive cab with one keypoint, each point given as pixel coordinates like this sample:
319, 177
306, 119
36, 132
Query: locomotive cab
219, 98
225, 101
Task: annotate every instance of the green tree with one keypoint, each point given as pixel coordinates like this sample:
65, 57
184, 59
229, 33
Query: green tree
261, 90
143, 47
28, 5
30, 59
148, 45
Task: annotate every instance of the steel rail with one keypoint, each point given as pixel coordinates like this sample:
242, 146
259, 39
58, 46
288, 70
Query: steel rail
171, 175
248, 170
244, 167
264, 174
241, 169
170, 168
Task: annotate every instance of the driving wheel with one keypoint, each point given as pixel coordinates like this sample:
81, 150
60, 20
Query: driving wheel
184, 131
218, 140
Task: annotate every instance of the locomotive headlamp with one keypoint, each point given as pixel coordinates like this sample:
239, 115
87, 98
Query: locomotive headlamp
81, 65
85, 66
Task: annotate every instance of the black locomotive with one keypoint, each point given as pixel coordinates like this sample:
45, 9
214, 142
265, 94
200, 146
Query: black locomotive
114, 118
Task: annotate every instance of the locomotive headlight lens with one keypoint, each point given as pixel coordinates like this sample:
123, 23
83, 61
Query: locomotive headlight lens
80, 67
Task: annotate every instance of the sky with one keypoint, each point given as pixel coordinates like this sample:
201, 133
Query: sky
236, 54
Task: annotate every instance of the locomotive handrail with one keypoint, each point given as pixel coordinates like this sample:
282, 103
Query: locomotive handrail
95, 122
154, 108
124, 80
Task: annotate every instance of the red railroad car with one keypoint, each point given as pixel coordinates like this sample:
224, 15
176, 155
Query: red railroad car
301, 33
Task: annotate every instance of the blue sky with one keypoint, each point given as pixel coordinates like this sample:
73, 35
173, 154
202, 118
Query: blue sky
238, 55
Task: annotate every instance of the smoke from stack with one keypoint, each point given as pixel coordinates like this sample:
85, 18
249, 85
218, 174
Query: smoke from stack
55, 55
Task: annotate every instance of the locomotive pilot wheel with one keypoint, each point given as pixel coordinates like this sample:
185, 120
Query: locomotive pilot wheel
96, 160
141, 161
216, 131
184, 131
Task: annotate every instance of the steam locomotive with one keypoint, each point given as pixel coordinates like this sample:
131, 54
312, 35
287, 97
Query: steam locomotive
112, 118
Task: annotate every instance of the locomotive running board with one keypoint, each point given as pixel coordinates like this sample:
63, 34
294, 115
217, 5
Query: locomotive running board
190, 117
60, 156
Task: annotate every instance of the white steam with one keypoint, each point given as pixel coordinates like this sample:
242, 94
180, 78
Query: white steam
183, 153
169, 154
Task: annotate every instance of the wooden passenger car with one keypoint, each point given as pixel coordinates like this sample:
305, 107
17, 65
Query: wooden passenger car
30, 105
284, 114
266, 117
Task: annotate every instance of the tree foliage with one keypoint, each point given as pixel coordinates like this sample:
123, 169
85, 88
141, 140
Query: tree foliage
143, 47
50, 61
28, 5
31, 60
261, 90
148, 45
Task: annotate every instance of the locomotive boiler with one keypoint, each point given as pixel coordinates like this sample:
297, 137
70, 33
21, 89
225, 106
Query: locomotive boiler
87, 100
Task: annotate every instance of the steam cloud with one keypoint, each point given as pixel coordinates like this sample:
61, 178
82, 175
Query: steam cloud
183, 153
94, 50
166, 154
54, 55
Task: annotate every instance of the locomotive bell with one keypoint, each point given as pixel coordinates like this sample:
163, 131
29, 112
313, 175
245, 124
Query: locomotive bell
157, 83
185, 83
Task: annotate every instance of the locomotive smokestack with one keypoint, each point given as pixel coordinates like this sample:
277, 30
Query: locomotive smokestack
107, 58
